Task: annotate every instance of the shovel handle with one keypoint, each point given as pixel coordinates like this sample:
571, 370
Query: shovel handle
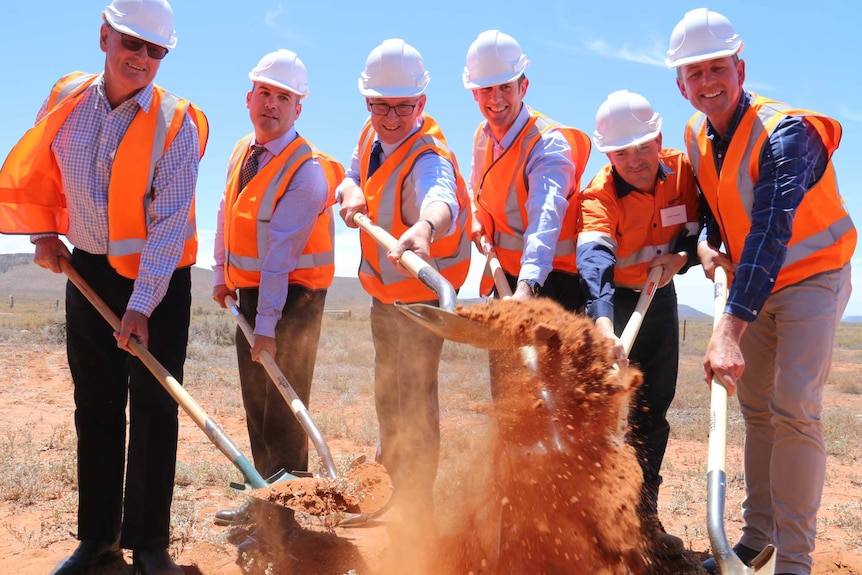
169, 382
287, 392
419, 268
633, 326
499, 275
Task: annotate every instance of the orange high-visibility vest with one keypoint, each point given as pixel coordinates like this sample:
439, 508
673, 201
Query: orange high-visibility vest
248, 213
633, 224
450, 255
823, 235
502, 195
32, 198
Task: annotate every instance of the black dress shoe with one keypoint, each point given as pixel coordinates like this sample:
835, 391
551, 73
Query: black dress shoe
156, 562
238, 516
745, 554
89, 554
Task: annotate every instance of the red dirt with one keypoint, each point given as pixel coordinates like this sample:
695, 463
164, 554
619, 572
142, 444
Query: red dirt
367, 488
543, 502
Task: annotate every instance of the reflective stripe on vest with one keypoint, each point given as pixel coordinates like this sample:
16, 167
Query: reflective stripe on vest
32, 177
450, 255
502, 194
823, 235
631, 226
248, 213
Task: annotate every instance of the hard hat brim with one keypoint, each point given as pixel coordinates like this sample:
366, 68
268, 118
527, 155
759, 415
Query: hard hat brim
270, 82
491, 80
393, 92
702, 57
138, 33
629, 143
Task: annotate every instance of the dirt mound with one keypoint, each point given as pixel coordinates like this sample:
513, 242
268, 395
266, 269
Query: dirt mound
365, 489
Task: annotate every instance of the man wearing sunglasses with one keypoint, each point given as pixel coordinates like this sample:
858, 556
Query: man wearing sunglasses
120, 158
405, 179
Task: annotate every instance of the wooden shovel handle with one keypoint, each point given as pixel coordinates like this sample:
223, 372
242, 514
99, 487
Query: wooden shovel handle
408, 259
633, 326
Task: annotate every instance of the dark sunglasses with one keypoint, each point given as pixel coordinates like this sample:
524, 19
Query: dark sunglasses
134, 44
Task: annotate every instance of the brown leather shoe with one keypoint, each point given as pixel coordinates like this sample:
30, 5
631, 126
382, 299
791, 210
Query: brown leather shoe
157, 562
89, 554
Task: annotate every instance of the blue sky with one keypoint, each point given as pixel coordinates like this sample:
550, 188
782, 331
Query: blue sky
579, 52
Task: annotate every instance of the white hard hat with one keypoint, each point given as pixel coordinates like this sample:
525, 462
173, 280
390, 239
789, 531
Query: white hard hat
149, 20
702, 35
493, 58
625, 119
394, 69
282, 69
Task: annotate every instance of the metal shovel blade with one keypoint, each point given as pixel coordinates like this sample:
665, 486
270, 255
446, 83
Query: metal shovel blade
449, 325
730, 564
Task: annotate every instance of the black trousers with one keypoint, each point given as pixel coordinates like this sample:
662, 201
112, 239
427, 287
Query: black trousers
276, 437
656, 353
105, 378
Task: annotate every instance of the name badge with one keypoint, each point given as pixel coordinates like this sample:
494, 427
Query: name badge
673, 216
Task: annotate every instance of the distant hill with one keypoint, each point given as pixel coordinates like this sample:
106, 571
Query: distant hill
24, 280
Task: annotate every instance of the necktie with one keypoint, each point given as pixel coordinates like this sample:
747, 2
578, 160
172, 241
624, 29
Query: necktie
249, 169
375, 159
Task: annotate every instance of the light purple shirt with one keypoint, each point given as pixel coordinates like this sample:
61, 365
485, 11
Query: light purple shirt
550, 174
288, 232
85, 147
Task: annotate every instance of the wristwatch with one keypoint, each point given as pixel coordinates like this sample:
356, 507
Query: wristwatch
533, 285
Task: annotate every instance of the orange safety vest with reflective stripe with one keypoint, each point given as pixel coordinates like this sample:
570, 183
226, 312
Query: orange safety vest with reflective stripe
638, 226
502, 193
248, 213
823, 235
32, 199
450, 255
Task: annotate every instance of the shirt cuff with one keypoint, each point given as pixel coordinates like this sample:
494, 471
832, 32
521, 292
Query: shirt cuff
265, 325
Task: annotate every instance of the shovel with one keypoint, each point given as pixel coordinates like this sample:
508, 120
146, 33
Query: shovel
442, 320
287, 392
728, 562
302, 415
177, 391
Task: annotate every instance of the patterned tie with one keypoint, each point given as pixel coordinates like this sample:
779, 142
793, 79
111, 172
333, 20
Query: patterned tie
249, 169
375, 159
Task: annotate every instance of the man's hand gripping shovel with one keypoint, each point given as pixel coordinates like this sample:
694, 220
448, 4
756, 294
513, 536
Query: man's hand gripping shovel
442, 320
254, 482
727, 561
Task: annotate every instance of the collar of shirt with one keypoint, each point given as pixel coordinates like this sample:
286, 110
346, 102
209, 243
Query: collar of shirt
724, 140
624, 188
513, 131
389, 148
144, 97
274, 147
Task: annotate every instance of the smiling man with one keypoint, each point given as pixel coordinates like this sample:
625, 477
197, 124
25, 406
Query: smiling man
641, 211
96, 168
778, 225
405, 178
523, 158
274, 254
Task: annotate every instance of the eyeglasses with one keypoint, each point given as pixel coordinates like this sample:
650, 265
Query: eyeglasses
134, 44
382, 109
